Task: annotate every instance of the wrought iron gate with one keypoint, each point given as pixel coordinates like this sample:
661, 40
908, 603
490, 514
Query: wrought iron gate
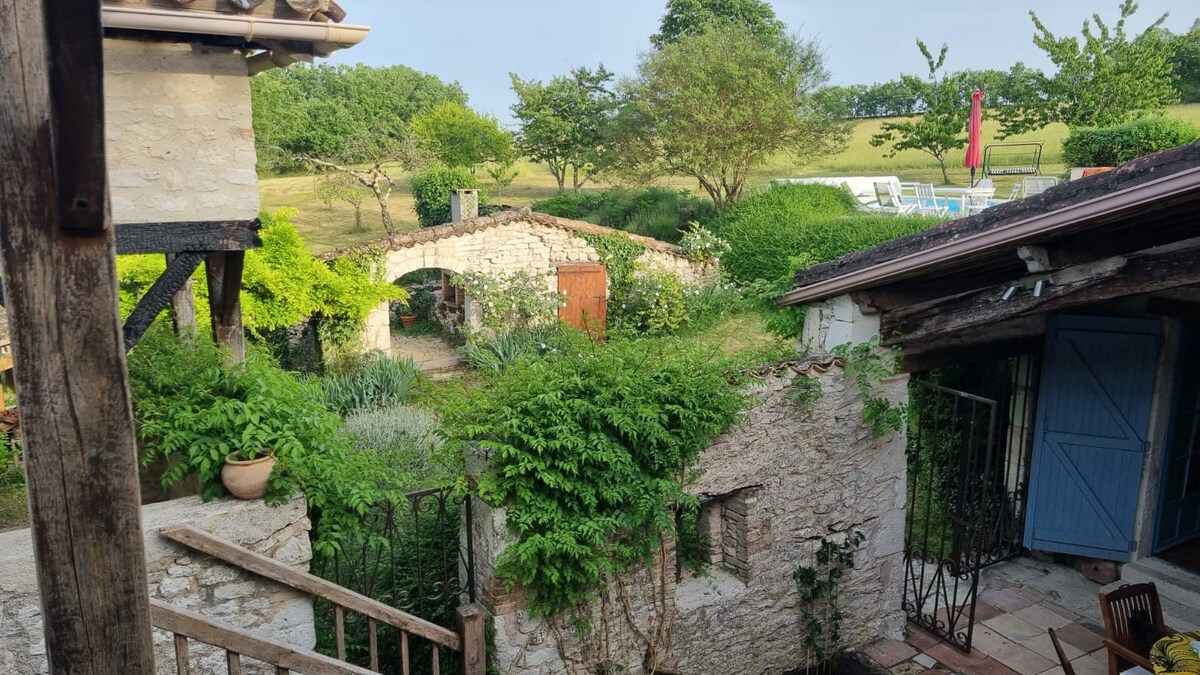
968, 462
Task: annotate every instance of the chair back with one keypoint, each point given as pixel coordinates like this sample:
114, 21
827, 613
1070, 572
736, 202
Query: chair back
985, 183
975, 200
1036, 185
1125, 609
888, 195
1063, 661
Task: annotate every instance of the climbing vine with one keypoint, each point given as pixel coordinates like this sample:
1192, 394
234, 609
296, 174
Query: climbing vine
818, 586
868, 365
619, 253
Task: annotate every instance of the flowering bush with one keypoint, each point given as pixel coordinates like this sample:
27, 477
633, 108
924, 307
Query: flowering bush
656, 305
511, 302
701, 245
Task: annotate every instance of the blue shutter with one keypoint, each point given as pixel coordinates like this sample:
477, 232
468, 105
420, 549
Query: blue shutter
1093, 413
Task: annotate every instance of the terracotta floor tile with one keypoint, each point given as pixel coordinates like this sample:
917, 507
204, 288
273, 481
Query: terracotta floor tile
1060, 611
988, 666
908, 668
1006, 599
921, 638
888, 653
953, 657
1041, 617
925, 660
985, 611
1080, 636
1088, 665
1023, 660
988, 641
1043, 646
1013, 627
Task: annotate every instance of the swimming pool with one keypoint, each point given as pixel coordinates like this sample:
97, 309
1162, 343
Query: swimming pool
952, 204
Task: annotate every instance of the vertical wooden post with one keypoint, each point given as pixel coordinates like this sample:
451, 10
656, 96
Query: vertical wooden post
60, 291
183, 308
474, 639
224, 270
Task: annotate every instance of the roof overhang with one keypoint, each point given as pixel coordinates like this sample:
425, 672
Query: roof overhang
1115, 205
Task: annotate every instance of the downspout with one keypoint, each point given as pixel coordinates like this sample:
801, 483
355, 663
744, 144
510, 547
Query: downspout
329, 36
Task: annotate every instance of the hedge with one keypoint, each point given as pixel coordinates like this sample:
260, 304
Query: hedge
1110, 146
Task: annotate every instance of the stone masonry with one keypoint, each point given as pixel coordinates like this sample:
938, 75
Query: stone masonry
504, 243
780, 482
181, 577
179, 137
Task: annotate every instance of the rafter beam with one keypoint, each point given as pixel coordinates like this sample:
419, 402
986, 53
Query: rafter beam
178, 271
208, 235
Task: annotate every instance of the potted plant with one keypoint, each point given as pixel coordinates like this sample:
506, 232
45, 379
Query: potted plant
246, 473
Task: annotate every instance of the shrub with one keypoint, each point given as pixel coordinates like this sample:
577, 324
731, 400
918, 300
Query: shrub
588, 450
1110, 146
701, 245
376, 381
767, 228
431, 191
510, 302
710, 303
408, 439
657, 212
499, 353
655, 305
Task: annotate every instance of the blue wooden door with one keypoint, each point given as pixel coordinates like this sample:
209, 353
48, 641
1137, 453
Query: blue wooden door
1093, 413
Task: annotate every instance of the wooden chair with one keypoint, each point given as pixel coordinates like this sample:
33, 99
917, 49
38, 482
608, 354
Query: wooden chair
1068, 669
1118, 609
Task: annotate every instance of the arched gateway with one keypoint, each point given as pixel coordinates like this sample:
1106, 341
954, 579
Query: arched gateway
504, 243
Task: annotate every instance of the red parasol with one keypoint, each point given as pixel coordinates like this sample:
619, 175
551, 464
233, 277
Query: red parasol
975, 134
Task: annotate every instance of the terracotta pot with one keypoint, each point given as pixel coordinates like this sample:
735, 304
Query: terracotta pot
247, 478
408, 320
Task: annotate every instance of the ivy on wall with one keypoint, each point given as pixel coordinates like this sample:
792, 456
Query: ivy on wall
620, 254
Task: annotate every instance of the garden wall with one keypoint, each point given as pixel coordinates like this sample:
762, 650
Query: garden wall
773, 487
179, 137
180, 577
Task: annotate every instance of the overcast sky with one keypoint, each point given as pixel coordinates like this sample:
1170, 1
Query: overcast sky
478, 42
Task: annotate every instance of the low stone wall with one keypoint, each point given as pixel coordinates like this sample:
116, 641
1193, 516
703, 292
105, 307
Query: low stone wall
773, 487
181, 577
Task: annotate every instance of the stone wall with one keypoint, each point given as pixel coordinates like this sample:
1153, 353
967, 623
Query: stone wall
779, 483
180, 577
179, 138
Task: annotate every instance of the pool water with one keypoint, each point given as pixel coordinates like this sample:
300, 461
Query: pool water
952, 205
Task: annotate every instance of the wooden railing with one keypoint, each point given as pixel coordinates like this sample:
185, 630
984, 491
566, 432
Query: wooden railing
237, 642
469, 641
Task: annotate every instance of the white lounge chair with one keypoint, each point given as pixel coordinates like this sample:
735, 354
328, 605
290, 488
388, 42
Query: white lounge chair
975, 200
927, 202
1036, 185
888, 195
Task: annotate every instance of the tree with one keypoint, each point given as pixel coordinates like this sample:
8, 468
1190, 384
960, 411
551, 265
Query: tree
1185, 64
941, 127
715, 105
458, 136
343, 187
562, 122
503, 174
692, 17
1104, 77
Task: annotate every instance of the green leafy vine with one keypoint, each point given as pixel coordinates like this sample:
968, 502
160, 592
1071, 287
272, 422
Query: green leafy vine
619, 253
868, 365
818, 586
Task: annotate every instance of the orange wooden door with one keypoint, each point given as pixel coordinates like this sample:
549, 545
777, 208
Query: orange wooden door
586, 290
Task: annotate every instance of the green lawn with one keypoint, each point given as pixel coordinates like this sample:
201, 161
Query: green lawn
329, 227
13, 511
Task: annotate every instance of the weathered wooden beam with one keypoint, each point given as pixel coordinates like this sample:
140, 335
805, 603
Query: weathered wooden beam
60, 285
1012, 338
179, 271
183, 308
220, 235
1068, 287
224, 271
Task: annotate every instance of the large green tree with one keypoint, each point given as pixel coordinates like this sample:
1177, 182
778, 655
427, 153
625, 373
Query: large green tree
1186, 63
691, 17
941, 127
716, 105
458, 136
339, 112
562, 122
1105, 76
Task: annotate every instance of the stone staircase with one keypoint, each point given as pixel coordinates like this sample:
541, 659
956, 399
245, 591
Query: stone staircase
1178, 589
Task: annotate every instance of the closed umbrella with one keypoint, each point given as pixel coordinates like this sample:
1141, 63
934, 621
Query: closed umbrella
975, 135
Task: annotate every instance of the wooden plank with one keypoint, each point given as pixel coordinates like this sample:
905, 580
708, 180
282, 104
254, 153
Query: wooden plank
261, 565
206, 235
339, 627
161, 292
182, 667
224, 270
471, 628
1069, 287
405, 669
60, 290
373, 643
225, 636
233, 663
183, 308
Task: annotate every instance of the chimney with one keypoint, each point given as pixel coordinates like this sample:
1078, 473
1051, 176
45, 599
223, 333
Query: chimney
464, 205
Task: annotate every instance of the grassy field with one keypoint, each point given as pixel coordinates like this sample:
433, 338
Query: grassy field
326, 227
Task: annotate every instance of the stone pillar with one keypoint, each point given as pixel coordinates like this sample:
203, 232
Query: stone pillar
464, 205
377, 331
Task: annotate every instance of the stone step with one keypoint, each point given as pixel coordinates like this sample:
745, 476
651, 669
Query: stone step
1178, 589
441, 364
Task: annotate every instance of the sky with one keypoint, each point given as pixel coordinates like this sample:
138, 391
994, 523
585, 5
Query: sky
479, 42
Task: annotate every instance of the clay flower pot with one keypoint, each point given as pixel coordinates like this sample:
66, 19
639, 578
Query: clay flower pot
247, 478
408, 320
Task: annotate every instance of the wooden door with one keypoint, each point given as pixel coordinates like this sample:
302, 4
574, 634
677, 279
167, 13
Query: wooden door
1093, 414
586, 293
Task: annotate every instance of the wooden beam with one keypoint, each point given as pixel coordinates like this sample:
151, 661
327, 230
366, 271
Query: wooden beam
240, 641
219, 235
224, 270
61, 292
179, 271
1068, 287
183, 308
272, 569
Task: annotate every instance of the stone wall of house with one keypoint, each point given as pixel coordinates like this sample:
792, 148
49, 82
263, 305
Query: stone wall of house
181, 577
789, 476
179, 138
